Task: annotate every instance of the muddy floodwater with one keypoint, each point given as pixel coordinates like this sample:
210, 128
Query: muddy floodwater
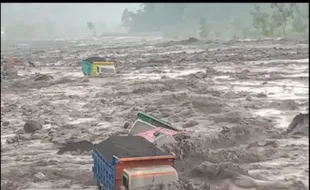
235, 98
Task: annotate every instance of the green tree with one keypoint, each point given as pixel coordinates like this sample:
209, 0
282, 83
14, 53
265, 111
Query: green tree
281, 14
300, 20
261, 22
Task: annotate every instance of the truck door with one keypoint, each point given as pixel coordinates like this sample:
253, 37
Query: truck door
125, 181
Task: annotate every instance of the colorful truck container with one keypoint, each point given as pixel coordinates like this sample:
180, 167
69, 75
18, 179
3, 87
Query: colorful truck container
130, 162
155, 130
96, 66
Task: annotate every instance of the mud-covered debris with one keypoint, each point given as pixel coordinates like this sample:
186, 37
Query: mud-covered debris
5, 123
42, 77
83, 80
8, 185
181, 136
126, 125
183, 149
208, 105
248, 98
13, 139
300, 185
10, 73
243, 74
230, 95
286, 105
38, 52
31, 126
74, 96
211, 72
9, 64
299, 125
219, 171
39, 177
261, 95
189, 124
81, 146
191, 40
75, 114
231, 117
225, 130
267, 143
31, 64
199, 75
180, 185
62, 80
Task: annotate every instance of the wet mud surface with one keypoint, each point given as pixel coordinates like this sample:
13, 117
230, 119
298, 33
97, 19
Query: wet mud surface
237, 99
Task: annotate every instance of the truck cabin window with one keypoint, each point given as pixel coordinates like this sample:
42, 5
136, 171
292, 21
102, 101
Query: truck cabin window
125, 182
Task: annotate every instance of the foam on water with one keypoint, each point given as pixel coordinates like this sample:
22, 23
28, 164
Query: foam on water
80, 120
152, 76
279, 61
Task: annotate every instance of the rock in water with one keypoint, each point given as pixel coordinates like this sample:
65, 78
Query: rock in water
31, 126
126, 125
76, 146
299, 125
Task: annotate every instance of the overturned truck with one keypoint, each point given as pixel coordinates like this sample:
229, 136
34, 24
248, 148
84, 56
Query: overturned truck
154, 130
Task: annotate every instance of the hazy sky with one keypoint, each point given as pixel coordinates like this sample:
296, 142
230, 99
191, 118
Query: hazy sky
66, 16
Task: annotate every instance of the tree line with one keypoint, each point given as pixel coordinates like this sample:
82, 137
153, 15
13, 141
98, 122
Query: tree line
267, 20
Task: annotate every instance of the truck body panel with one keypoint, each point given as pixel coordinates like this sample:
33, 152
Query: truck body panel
104, 171
117, 153
149, 135
155, 121
152, 129
103, 68
169, 160
87, 68
141, 177
95, 66
140, 126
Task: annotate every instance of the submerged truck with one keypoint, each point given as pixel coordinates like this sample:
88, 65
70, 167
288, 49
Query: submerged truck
131, 162
97, 66
155, 130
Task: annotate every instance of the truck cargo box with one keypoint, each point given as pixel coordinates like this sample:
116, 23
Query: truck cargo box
117, 153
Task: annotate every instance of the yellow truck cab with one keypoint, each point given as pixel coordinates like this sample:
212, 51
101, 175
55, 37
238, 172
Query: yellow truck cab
97, 66
134, 178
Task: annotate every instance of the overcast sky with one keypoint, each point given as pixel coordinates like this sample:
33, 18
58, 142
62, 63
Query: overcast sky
65, 15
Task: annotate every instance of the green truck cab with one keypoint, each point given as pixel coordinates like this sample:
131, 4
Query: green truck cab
96, 66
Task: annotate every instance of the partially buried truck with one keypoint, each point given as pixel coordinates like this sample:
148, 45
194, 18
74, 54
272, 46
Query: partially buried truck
97, 66
155, 130
132, 162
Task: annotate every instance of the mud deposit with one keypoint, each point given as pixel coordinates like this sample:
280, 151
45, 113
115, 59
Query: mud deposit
237, 100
